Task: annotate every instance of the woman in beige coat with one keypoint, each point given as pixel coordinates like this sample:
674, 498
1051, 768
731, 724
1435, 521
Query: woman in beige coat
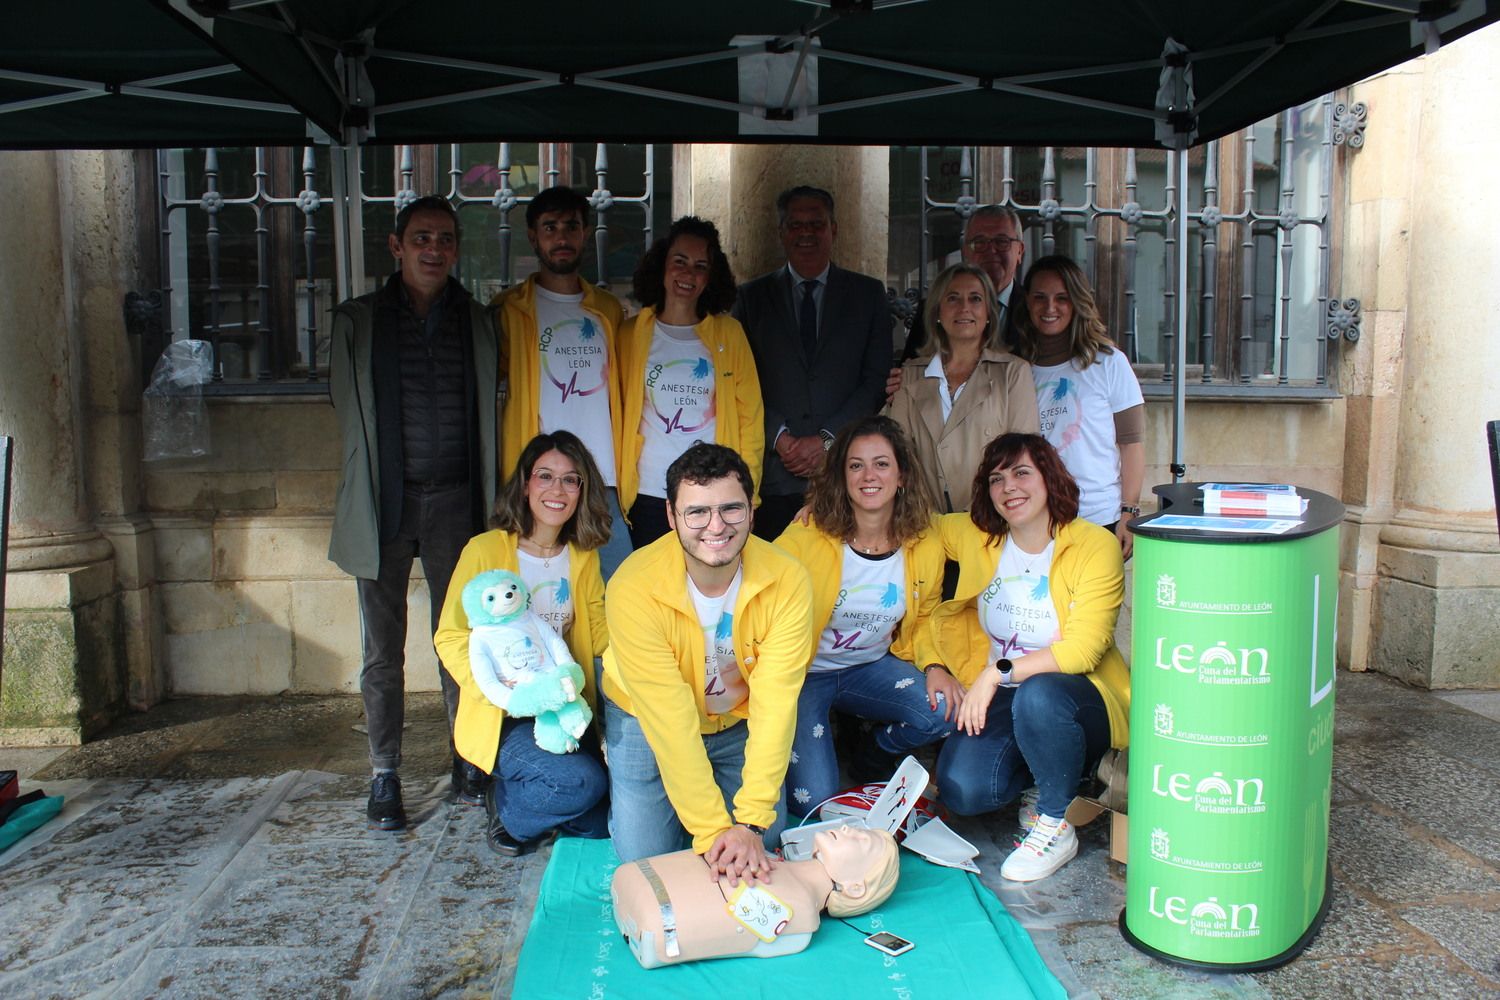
964, 389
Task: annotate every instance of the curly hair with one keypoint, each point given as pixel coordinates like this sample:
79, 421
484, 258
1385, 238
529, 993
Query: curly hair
649, 283
1087, 335
828, 494
1004, 452
936, 335
705, 463
588, 528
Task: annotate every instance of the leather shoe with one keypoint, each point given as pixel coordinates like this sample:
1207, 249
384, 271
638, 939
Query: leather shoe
384, 810
469, 783
501, 841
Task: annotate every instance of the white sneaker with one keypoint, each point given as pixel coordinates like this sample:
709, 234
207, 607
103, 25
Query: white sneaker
1050, 845
1028, 813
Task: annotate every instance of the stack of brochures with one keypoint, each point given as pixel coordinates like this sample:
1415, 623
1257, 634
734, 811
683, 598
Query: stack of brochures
1252, 500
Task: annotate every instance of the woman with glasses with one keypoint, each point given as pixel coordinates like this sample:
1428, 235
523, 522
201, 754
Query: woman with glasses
687, 373
1090, 402
550, 519
1030, 634
876, 562
965, 390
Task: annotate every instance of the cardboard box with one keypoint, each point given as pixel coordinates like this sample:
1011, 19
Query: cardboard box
1119, 836
1082, 812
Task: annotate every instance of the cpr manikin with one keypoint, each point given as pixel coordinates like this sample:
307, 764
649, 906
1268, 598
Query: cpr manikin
853, 871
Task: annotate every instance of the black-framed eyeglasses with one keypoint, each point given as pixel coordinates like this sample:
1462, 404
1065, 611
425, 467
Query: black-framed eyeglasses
571, 482
980, 244
730, 513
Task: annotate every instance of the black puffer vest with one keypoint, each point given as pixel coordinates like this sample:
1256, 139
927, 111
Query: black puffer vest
424, 393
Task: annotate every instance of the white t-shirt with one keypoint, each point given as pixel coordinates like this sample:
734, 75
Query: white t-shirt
1078, 407
724, 687
551, 593
574, 391
871, 602
679, 405
1016, 609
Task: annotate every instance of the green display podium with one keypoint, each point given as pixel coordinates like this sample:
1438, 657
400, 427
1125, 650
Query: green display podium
1231, 737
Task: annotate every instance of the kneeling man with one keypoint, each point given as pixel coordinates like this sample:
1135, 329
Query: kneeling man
710, 636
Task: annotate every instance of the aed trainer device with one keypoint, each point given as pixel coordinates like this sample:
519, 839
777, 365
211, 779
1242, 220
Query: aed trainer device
889, 943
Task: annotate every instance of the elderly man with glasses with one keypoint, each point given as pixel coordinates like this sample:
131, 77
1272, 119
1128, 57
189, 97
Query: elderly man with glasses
992, 242
710, 636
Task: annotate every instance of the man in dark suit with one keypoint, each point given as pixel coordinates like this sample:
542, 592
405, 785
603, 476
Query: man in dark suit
821, 336
992, 242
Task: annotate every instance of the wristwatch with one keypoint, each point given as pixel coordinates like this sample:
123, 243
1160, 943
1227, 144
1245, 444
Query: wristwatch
1131, 509
759, 831
827, 439
1006, 668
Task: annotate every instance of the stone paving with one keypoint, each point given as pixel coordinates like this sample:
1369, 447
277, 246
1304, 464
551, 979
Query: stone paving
216, 847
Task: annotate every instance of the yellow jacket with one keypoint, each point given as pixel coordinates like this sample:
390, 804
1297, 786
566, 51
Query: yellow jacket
521, 367
739, 417
1087, 579
476, 728
823, 555
653, 669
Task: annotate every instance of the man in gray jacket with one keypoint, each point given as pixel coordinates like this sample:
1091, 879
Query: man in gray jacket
412, 374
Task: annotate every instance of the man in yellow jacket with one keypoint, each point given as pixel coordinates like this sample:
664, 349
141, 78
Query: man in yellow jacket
710, 636
559, 354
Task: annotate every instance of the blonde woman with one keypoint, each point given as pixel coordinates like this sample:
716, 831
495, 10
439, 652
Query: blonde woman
965, 389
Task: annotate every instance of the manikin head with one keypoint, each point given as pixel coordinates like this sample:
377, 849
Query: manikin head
864, 865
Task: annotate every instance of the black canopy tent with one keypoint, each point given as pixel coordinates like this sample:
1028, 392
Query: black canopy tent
142, 73
160, 73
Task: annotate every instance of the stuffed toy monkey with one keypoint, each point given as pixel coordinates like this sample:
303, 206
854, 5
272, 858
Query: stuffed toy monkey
521, 664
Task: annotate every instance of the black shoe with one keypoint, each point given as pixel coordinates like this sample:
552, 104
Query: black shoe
384, 810
469, 783
868, 763
501, 841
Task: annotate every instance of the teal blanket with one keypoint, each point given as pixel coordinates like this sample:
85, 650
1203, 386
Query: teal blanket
966, 945
28, 818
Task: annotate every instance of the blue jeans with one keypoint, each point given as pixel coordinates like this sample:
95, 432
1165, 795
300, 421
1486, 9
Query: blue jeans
1050, 728
886, 690
642, 821
618, 547
536, 790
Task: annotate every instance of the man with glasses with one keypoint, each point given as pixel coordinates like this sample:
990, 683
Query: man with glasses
822, 339
412, 370
557, 352
710, 636
992, 242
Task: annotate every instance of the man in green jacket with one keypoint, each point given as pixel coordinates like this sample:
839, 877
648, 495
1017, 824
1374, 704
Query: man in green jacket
412, 376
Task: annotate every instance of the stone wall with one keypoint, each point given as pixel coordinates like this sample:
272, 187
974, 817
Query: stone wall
249, 601
1421, 560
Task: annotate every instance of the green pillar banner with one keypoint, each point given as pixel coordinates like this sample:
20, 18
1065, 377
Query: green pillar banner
1231, 726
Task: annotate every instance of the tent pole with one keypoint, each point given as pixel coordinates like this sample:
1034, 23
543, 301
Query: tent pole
1179, 345
348, 221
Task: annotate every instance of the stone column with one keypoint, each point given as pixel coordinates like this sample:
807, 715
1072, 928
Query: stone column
61, 677
1424, 487
735, 187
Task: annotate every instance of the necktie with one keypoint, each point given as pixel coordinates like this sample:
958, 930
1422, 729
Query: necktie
808, 320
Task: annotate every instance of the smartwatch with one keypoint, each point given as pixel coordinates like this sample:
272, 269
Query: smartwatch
1006, 668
